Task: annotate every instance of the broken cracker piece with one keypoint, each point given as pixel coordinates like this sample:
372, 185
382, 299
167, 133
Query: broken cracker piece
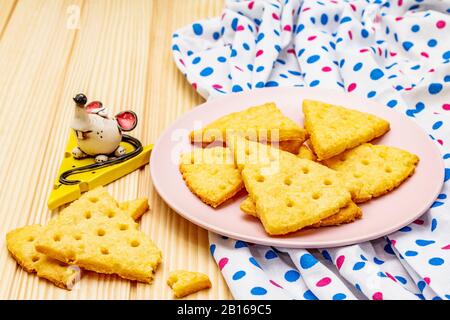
264, 122
305, 153
95, 234
184, 283
378, 169
211, 174
20, 243
135, 208
334, 129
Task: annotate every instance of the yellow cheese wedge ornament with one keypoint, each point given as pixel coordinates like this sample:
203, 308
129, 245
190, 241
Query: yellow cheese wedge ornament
97, 152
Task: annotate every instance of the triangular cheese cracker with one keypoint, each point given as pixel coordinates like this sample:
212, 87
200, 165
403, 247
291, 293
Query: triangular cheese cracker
211, 174
347, 214
95, 234
334, 129
21, 245
292, 193
264, 123
379, 169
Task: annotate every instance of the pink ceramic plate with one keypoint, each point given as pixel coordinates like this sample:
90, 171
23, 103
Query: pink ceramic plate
381, 216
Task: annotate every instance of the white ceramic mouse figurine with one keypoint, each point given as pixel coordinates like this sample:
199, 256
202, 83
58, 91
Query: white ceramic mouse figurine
99, 135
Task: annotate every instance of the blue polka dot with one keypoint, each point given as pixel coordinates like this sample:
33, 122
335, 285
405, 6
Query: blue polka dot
421, 285
300, 28
238, 275
254, 262
437, 125
233, 53
216, 35
271, 84
300, 52
357, 66
378, 261
447, 79
270, 254
432, 43
424, 243
259, 69
292, 275
324, 19
358, 287
434, 88
236, 88
376, 74
345, 19
371, 94
313, 58
250, 67
405, 229
392, 103
363, 257
314, 83
359, 265
446, 55
401, 279
258, 291
326, 255
197, 28
278, 48
388, 249
364, 33
307, 261
339, 296
196, 60
411, 253
260, 84
234, 24
175, 48
421, 296
308, 295
190, 53
212, 248
240, 244
436, 261
260, 37
434, 224
407, 45
415, 28
246, 46
416, 67
437, 298
222, 59
206, 72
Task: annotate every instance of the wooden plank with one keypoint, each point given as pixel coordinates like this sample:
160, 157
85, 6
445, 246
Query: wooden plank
6, 10
120, 54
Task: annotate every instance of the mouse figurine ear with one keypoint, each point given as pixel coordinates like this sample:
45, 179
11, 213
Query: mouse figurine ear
126, 120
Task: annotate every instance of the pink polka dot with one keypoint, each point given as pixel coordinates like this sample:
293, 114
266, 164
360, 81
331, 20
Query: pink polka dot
259, 52
392, 54
275, 284
353, 6
431, 70
424, 54
222, 263
194, 85
400, 3
440, 24
306, 9
217, 86
274, 15
440, 142
393, 242
377, 296
398, 18
240, 28
181, 61
250, 5
340, 261
311, 38
326, 69
419, 221
391, 276
323, 282
447, 247
350, 35
351, 87
287, 28
291, 51
427, 280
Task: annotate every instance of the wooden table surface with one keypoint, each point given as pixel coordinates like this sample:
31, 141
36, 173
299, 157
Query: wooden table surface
115, 51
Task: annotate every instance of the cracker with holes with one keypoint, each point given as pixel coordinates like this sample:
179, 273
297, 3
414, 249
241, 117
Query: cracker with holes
211, 174
263, 123
135, 208
334, 129
348, 214
184, 283
378, 168
21, 242
95, 234
294, 193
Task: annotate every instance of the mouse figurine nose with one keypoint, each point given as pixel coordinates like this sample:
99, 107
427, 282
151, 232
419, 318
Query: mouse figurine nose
80, 99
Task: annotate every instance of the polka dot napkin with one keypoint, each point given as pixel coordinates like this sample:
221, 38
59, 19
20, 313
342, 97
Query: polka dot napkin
396, 52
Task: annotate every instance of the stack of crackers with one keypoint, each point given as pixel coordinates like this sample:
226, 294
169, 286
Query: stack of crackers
295, 177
